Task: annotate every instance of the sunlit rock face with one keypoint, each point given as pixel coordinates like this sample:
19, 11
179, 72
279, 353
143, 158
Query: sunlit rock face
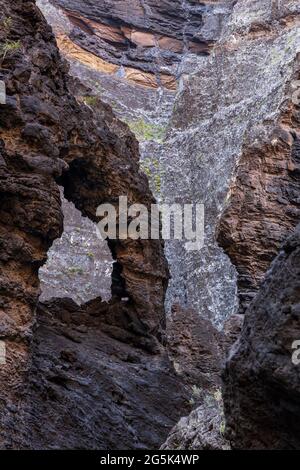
83, 272
73, 374
262, 205
239, 114
196, 141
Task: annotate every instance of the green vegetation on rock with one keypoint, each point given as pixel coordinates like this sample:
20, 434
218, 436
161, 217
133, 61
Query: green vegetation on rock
6, 24
8, 48
90, 100
145, 131
152, 170
75, 270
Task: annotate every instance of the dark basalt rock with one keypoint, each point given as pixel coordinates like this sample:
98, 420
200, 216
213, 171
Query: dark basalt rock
92, 385
99, 375
262, 383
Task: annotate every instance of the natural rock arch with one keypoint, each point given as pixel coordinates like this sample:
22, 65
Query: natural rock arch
48, 137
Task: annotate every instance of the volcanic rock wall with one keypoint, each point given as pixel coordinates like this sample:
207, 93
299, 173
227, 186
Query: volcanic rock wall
232, 143
248, 133
37, 122
263, 204
49, 137
262, 375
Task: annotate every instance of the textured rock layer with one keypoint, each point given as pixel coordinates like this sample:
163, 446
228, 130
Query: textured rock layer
242, 146
232, 143
91, 387
263, 205
147, 38
203, 282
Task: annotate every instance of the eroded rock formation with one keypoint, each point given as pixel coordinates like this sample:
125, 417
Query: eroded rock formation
93, 385
263, 203
49, 137
203, 429
248, 133
99, 372
88, 264
149, 113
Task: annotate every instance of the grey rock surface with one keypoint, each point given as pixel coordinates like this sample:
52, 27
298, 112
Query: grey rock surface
79, 264
49, 399
203, 429
92, 375
192, 141
92, 390
233, 97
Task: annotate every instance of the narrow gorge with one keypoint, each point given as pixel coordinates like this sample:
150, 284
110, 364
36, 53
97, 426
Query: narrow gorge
140, 343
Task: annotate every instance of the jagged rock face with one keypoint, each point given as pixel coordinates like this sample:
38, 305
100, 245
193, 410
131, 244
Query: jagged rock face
263, 203
199, 351
230, 111
147, 38
250, 134
30, 220
33, 134
262, 389
49, 137
92, 388
203, 429
233, 120
196, 349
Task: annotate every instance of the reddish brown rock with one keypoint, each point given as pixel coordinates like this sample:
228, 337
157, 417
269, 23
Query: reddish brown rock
263, 206
148, 36
170, 44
